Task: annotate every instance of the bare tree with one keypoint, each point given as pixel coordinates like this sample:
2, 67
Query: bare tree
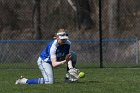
113, 27
82, 8
113, 15
36, 19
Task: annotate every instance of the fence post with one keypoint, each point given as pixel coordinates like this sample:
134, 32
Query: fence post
137, 51
100, 33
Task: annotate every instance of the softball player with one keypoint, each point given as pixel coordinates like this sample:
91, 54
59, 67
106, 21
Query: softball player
55, 54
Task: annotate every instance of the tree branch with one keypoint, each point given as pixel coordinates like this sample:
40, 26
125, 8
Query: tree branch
72, 5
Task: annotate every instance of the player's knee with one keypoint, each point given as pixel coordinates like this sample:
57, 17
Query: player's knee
50, 81
74, 56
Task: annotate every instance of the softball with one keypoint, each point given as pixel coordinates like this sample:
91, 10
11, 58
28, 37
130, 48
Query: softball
81, 74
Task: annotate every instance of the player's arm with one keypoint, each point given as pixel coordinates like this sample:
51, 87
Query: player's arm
56, 63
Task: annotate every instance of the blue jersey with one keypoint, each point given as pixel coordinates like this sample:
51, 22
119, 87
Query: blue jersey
55, 50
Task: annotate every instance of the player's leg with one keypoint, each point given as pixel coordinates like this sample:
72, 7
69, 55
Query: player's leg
47, 72
23, 80
72, 62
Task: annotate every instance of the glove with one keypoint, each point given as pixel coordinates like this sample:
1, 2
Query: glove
74, 70
73, 74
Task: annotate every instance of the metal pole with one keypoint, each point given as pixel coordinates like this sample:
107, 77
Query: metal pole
100, 33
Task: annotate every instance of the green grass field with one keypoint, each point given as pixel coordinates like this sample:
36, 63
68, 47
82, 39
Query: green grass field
97, 80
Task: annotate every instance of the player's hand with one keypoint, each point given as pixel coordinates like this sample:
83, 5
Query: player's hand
68, 57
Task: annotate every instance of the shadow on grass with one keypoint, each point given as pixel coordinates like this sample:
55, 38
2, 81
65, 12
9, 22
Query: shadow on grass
90, 81
80, 82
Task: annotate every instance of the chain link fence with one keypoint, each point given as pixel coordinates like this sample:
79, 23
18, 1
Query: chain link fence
26, 26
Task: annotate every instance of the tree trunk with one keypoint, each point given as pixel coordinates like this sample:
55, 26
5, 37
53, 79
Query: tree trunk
36, 19
83, 13
113, 28
113, 15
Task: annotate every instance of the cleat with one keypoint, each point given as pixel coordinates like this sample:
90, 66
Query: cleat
21, 80
67, 80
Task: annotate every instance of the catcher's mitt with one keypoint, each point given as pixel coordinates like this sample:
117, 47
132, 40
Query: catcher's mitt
73, 74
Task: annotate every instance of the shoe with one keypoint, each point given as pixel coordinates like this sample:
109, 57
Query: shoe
21, 80
67, 80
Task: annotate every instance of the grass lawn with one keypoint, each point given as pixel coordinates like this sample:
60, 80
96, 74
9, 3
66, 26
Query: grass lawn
97, 80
